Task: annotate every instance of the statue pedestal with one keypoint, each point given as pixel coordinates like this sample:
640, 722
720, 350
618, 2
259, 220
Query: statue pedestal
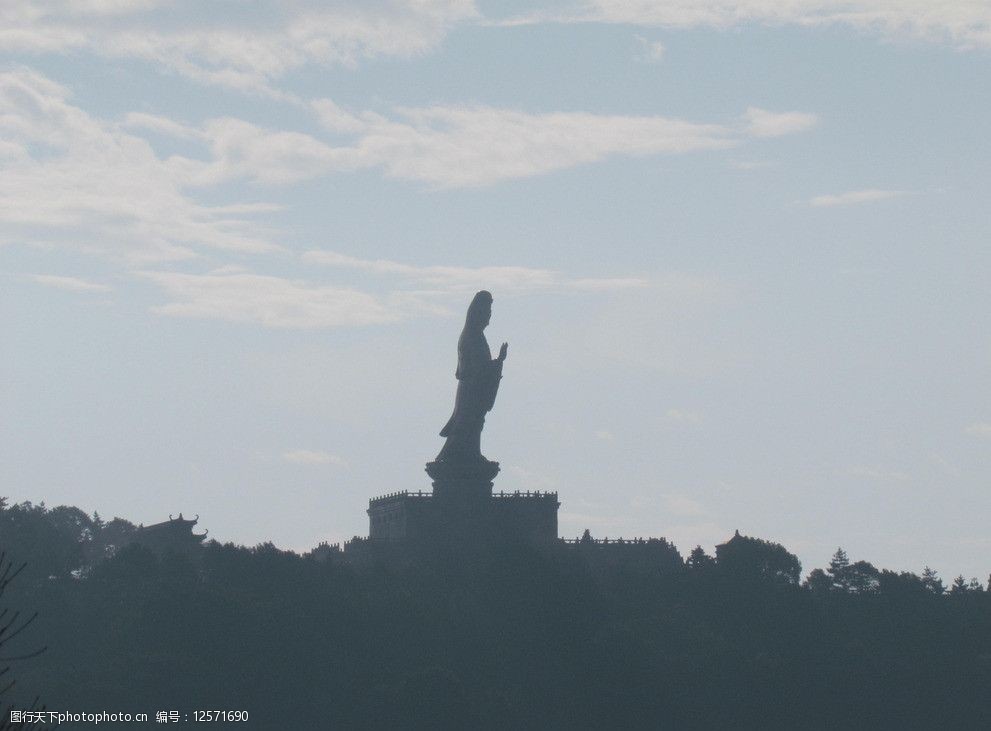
462, 496
463, 510
462, 481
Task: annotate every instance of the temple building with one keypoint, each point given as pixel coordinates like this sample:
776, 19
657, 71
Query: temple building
174, 535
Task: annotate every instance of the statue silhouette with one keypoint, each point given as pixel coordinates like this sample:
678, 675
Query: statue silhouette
478, 377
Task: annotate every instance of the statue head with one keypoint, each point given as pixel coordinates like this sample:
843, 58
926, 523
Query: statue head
479, 311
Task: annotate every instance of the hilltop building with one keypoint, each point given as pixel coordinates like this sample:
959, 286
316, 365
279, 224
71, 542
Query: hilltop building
406, 515
174, 535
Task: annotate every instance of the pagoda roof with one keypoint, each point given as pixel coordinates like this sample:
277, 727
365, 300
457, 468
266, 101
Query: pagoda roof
179, 524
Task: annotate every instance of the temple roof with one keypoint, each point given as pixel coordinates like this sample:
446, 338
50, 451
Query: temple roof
178, 525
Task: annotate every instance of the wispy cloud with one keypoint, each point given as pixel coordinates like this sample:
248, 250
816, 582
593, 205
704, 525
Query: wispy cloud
101, 187
648, 50
270, 301
879, 473
444, 146
762, 123
854, 197
401, 291
70, 284
963, 23
980, 429
250, 51
243, 50
683, 416
465, 146
312, 457
94, 186
452, 146
751, 164
461, 279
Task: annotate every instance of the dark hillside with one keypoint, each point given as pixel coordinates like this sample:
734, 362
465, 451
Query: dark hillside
492, 636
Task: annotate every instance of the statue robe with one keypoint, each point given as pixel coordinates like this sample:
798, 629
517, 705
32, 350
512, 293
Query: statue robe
478, 382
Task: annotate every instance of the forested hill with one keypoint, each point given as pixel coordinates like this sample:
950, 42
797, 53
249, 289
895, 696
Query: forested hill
488, 636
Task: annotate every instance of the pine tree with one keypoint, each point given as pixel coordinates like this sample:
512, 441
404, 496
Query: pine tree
839, 571
932, 582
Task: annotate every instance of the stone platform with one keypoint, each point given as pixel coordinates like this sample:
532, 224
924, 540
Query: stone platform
463, 505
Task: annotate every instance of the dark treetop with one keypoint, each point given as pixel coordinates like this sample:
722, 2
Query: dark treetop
478, 377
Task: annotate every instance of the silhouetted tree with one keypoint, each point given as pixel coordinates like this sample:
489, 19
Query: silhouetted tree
699, 560
819, 582
839, 567
754, 558
863, 578
932, 582
11, 625
902, 585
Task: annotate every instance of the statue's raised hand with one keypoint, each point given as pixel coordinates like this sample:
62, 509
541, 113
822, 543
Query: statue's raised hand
502, 352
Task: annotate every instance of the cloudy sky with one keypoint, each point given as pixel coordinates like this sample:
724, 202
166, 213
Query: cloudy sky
740, 251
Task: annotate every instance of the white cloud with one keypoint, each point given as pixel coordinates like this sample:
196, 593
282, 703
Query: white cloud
74, 179
311, 457
683, 416
234, 294
461, 279
100, 187
854, 197
650, 51
162, 125
468, 146
70, 284
762, 123
879, 473
963, 23
243, 49
248, 50
751, 164
504, 143
68, 170
446, 146
243, 151
980, 429
452, 146
604, 435
269, 301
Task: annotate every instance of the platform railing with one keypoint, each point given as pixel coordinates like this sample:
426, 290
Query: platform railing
515, 495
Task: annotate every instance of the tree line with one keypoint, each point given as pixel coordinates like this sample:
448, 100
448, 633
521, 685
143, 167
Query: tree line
491, 635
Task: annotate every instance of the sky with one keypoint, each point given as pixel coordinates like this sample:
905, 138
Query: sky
739, 251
